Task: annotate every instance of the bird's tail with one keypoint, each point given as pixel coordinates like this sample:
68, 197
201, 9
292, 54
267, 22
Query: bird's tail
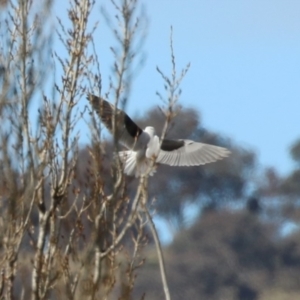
133, 166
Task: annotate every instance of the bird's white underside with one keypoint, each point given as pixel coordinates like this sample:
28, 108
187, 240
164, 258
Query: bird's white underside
190, 154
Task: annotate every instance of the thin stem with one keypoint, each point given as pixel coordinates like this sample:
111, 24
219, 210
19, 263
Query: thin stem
159, 254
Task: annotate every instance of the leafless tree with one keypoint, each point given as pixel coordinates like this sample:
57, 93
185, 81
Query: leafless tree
63, 233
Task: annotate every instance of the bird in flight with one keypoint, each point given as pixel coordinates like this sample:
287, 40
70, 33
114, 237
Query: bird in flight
144, 145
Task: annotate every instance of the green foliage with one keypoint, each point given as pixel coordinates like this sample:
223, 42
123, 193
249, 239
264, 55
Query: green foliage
295, 151
228, 255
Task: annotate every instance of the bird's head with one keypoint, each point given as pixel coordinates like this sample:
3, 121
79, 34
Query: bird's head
150, 130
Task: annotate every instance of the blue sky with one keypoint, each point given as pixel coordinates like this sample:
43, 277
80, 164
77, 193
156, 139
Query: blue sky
244, 78
245, 68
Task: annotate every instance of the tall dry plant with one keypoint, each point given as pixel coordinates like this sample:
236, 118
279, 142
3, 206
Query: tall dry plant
66, 232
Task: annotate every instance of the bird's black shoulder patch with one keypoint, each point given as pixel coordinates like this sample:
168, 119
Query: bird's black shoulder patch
171, 145
131, 127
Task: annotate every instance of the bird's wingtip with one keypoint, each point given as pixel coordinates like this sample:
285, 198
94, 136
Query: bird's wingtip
90, 97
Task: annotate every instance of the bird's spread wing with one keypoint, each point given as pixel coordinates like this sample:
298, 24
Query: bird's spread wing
189, 153
128, 132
